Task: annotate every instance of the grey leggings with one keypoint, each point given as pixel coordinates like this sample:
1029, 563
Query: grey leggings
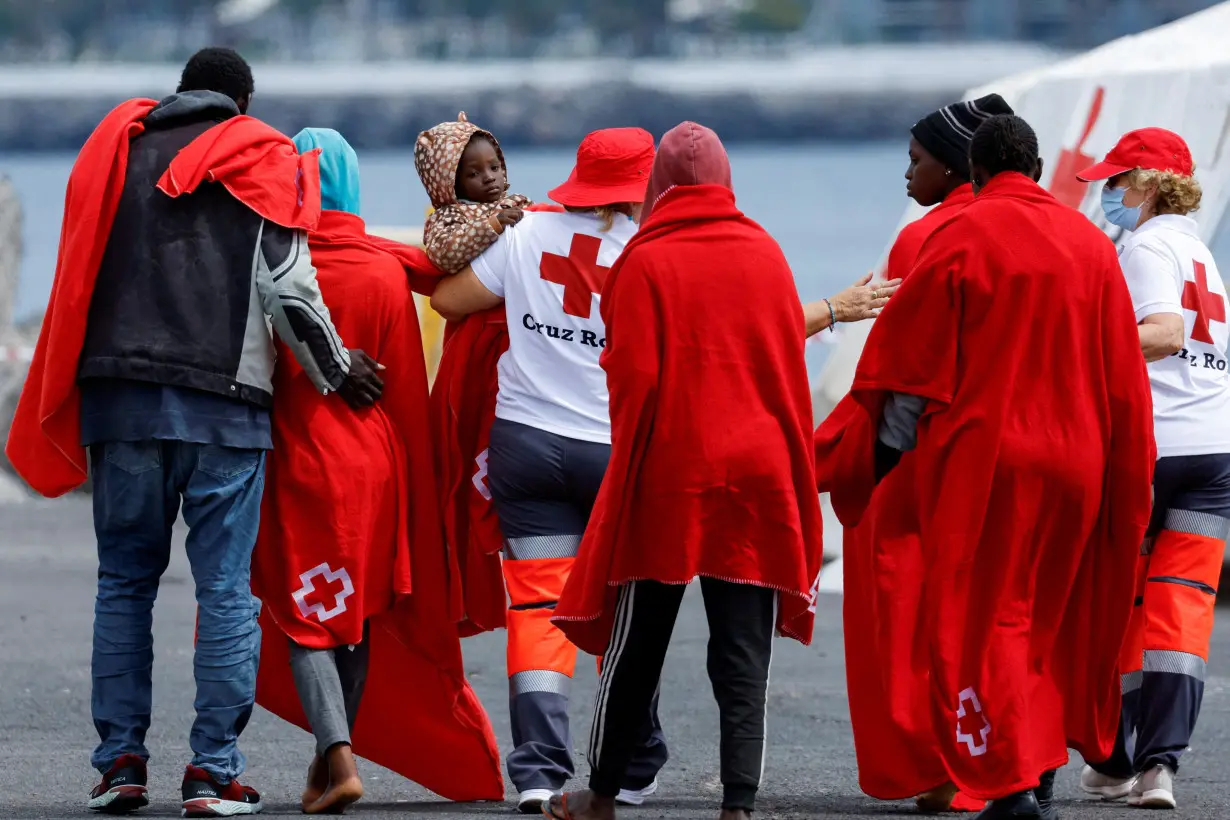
330, 685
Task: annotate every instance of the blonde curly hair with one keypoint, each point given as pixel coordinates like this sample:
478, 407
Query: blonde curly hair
605, 213
1176, 194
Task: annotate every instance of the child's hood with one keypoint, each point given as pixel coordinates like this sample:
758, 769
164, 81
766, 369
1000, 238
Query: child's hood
437, 154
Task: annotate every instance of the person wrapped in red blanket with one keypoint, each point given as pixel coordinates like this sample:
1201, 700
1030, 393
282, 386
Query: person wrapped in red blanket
156, 353
711, 470
1008, 363
350, 562
882, 562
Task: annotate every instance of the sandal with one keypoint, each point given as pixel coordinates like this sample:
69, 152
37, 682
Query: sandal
548, 808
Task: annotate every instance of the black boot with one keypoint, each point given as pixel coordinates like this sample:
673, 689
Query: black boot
1045, 795
1019, 806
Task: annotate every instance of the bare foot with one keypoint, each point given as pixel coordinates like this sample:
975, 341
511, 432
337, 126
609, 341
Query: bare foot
345, 787
582, 805
936, 800
317, 782
735, 814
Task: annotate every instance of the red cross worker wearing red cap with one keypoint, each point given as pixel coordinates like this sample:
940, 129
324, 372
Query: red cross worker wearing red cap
1180, 305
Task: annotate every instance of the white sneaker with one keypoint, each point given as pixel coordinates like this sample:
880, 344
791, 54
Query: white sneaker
1104, 786
532, 801
636, 797
1154, 789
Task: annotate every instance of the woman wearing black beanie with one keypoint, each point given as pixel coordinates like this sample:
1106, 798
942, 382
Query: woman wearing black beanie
893, 733
939, 171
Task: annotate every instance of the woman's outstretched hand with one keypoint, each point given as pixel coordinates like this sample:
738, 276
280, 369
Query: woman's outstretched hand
862, 300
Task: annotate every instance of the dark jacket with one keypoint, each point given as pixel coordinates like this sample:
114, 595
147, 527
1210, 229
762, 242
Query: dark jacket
187, 287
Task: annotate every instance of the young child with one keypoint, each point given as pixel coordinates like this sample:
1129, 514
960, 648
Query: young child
463, 170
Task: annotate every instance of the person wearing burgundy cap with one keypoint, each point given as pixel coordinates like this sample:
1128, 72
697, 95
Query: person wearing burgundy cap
1180, 303
551, 438
711, 472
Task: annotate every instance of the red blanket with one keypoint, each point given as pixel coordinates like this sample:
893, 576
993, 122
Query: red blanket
244, 154
350, 531
711, 470
462, 409
258, 164
882, 567
1039, 420
365, 525
910, 240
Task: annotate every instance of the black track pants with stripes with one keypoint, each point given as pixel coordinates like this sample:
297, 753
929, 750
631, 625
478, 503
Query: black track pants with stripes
741, 626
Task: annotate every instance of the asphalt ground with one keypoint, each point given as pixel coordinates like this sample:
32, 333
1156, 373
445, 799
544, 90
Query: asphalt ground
47, 577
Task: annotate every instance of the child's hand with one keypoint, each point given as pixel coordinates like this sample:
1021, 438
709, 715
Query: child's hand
509, 216
506, 217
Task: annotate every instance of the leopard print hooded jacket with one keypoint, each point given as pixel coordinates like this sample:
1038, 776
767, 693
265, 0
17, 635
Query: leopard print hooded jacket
456, 232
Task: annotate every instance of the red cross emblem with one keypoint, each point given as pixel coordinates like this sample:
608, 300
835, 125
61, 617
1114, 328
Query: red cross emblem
1064, 186
326, 600
1208, 305
579, 273
972, 719
479, 479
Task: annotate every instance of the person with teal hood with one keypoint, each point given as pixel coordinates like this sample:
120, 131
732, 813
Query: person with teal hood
339, 168
350, 518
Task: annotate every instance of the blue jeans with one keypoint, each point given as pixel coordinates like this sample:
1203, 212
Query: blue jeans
138, 490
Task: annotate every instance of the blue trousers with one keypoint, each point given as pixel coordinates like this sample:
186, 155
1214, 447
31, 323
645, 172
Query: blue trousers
139, 488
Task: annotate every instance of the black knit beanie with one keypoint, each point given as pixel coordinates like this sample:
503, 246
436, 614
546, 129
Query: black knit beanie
946, 133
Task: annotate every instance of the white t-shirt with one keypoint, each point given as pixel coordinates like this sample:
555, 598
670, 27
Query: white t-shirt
549, 269
1169, 270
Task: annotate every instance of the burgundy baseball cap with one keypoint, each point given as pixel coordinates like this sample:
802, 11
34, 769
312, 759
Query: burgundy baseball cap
1153, 149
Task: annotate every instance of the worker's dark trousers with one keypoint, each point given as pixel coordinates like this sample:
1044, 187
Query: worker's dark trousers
1167, 646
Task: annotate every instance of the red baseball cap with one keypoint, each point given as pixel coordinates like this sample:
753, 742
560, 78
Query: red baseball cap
613, 166
1153, 149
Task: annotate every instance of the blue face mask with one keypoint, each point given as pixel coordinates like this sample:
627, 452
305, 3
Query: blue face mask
1116, 212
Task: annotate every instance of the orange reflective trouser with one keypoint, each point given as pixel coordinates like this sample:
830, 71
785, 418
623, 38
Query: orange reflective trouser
540, 660
535, 572
1167, 646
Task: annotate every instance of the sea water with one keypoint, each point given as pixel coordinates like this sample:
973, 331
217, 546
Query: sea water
833, 208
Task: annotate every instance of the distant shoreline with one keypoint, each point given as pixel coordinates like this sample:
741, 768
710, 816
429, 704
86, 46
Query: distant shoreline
844, 94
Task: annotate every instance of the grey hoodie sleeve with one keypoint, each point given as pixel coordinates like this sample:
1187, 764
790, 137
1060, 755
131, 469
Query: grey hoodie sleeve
899, 424
286, 284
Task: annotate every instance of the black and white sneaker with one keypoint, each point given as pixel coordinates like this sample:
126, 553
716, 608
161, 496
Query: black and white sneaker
205, 797
122, 788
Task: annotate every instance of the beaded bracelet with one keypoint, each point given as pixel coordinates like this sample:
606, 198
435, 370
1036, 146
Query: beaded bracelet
832, 317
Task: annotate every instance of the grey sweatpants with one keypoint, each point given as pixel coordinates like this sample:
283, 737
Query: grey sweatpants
330, 685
